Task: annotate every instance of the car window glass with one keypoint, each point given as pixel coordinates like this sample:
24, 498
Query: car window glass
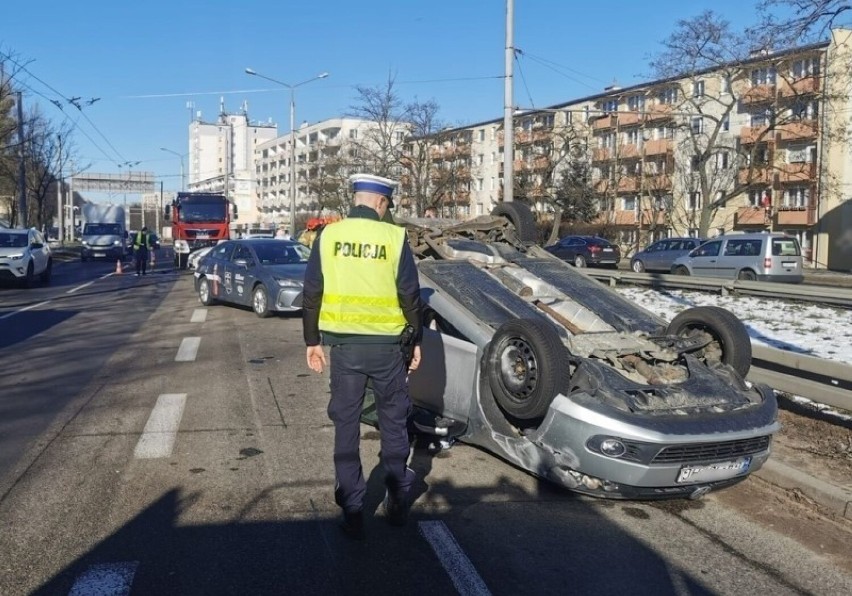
280, 253
243, 252
785, 247
711, 249
13, 240
223, 251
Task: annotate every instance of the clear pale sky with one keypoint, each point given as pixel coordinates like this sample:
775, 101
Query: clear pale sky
145, 61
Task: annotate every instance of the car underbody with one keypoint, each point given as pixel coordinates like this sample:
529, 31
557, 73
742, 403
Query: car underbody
541, 365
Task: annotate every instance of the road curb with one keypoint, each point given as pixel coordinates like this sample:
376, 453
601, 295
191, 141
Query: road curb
837, 500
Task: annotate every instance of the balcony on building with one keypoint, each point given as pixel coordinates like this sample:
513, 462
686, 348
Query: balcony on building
795, 216
750, 216
604, 122
760, 174
601, 154
755, 134
659, 111
797, 131
804, 86
759, 94
659, 147
797, 172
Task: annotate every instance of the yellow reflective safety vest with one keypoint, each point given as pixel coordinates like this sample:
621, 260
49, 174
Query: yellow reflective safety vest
141, 240
360, 260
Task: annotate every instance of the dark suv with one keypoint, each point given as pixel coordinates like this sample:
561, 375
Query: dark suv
586, 250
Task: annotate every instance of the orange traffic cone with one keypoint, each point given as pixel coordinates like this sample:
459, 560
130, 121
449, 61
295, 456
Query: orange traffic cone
118, 270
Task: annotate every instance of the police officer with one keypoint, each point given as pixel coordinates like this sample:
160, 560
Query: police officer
141, 244
361, 289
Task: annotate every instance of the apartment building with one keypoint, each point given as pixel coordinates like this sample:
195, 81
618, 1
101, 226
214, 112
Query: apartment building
321, 156
222, 159
758, 145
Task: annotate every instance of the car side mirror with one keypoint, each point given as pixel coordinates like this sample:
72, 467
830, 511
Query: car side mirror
36, 245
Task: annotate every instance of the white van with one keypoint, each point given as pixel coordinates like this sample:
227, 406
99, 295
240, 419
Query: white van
763, 256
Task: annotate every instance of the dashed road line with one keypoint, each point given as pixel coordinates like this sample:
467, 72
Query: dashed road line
188, 349
461, 571
199, 315
158, 437
114, 579
87, 284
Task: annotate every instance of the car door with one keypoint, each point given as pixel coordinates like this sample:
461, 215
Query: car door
654, 255
240, 272
705, 257
38, 251
215, 267
568, 248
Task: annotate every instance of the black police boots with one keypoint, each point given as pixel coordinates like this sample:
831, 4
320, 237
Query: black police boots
396, 509
353, 525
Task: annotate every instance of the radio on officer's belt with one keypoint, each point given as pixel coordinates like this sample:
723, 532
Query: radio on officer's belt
406, 343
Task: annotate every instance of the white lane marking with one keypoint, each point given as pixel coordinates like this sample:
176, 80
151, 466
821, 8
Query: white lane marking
158, 438
461, 571
188, 349
114, 579
199, 315
20, 310
72, 290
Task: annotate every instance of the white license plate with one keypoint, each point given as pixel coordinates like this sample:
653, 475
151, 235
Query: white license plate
203, 236
712, 472
607, 249
789, 264
100, 254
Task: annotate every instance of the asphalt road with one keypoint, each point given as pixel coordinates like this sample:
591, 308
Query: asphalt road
153, 446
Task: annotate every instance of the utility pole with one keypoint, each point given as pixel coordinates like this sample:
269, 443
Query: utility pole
508, 108
22, 173
59, 206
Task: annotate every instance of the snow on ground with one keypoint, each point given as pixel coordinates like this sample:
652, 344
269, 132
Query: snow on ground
820, 331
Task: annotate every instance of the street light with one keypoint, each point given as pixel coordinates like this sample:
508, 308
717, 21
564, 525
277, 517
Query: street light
181, 156
292, 89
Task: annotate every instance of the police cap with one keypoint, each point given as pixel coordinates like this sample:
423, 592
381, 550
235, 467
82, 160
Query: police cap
374, 184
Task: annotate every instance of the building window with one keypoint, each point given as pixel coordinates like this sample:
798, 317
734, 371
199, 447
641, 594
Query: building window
629, 204
697, 88
763, 76
353, 133
480, 158
569, 116
481, 134
725, 83
799, 154
805, 67
493, 183
722, 160
479, 183
631, 137
610, 105
493, 132
586, 114
694, 200
697, 125
726, 123
694, 164
669, 95
759, 119
636, 103
797, 197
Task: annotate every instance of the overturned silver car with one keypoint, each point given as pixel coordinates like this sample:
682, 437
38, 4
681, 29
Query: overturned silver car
543, 366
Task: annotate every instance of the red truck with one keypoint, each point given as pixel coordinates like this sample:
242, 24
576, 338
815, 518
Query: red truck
198, 219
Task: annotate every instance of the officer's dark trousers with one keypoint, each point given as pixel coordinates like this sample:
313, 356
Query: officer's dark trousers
351, 366
141, 254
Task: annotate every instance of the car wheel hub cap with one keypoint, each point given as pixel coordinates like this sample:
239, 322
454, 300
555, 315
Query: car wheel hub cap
259, 302
518, 368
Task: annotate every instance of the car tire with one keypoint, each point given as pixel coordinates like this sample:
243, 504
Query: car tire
680, 270
520, 216
47, 273
260, 301
205, 296
579, 261
526, 366
747, 275
731, 343
638, 266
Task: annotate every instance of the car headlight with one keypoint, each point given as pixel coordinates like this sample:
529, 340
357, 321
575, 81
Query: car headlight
15, 257
181, 246
289, 283
116, 242
85, 243
608, 446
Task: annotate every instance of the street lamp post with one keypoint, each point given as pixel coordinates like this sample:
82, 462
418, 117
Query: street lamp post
181, 156
292, 89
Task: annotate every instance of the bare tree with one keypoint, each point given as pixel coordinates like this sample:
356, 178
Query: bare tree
380, 149
787, 23
712, 77
328, 184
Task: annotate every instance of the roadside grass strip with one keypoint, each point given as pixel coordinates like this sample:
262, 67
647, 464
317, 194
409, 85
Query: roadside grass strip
188, 349
461, 571
158, 437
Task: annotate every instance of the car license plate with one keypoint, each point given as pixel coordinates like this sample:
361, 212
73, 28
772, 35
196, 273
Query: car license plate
203, 236
607, 250
100, 254
789, 264
711, 472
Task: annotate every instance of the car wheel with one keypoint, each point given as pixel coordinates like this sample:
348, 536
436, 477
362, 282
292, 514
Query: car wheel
260, 302
204, 294
680, 270
638, 266
47, 273
579, 261
520, 216
27, 280
527, 366
747, 275
730, 343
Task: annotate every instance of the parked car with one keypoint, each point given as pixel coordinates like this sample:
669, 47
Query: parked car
586, 250
265, 274
660, 255
751, 257
535, 362
24, 254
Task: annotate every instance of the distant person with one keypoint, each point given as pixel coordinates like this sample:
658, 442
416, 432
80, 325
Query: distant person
282, 234
141, 245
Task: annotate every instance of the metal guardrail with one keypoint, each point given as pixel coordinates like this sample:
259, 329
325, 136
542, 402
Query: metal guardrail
824, 381
836, 296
